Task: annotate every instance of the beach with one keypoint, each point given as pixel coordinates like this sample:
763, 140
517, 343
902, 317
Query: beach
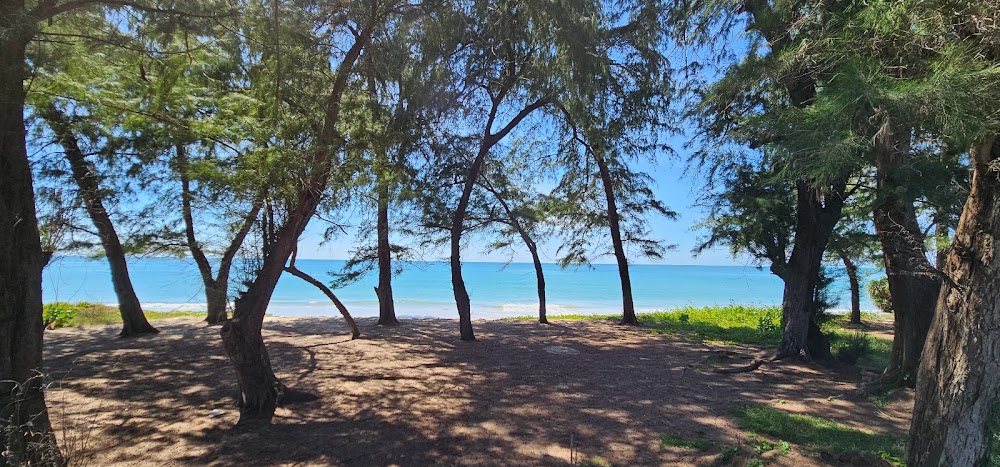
522, 394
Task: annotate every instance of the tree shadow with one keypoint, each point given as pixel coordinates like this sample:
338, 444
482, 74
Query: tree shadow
414, 394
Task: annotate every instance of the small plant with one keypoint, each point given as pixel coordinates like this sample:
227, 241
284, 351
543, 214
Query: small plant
729, 452
596, 461
764, 446
683, 317
755, 463
766, 326
855, 346
677, 441
878, 290
783, 447
57, 314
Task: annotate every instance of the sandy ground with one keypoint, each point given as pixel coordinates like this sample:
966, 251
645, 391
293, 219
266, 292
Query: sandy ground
523, 394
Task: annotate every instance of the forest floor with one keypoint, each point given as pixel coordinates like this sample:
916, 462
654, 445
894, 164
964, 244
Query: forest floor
587, 391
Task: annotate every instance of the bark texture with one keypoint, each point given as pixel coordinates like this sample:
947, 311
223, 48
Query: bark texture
614, 225
913, 283
817, 213
958, 386
260, 390
89, 190
22, 398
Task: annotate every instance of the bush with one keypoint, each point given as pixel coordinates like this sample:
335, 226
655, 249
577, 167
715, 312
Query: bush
57, 314
878, 290
854, 347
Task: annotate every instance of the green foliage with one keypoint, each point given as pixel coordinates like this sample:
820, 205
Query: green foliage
596, 461
878, 290
993, 435
676, 441
96, 314
853, 347
57, 314
815, 433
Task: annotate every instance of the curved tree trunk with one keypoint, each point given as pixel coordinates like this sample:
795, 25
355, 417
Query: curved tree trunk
386, 305
22, 398
291, 269
958, 385
852, 277
913, 283
260, 390
628, 308
539, 279
817, 213
85, 175
457, 226
217, 300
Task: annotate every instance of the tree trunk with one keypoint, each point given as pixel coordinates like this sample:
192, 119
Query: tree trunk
291, 269
958, 385
539, 278
216, 288
260, 390
457, 226
913, 283
85, 175
852, 277
817, 213
217, 300
628, 308
22, 398
386, 306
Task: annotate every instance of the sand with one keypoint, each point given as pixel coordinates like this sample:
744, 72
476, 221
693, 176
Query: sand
523, 394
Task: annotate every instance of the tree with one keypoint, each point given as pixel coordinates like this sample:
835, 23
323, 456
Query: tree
305, 178
21, 255
954, 415
86, 177
757, 213
523, 213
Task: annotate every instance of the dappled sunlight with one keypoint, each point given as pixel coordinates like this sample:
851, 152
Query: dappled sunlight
523, 393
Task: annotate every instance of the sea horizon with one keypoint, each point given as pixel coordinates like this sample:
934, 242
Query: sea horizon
423, 289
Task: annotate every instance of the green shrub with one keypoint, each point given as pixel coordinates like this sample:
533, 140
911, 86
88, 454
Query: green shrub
57, 314
878, 290
768, 326
853, 347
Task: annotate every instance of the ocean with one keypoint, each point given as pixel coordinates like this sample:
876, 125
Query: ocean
423, 289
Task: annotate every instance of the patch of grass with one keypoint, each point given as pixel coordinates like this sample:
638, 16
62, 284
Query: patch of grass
596, 461
816, 433
729, 324
677, 441
847, 343
97, 314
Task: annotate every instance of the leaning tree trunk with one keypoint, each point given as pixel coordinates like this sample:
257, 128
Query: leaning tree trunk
958, 385
817, 213
260, 390
457, 226
291, 269
386, 305
628, 308
22, 398
913, 283
852, 277
85, 175
539, 279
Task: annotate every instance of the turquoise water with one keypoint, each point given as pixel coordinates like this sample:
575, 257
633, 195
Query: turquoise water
424, 289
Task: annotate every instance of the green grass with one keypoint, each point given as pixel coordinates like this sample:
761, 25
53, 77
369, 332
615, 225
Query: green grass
96, 314
728, 324
747, 325
817, 434
677, 441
